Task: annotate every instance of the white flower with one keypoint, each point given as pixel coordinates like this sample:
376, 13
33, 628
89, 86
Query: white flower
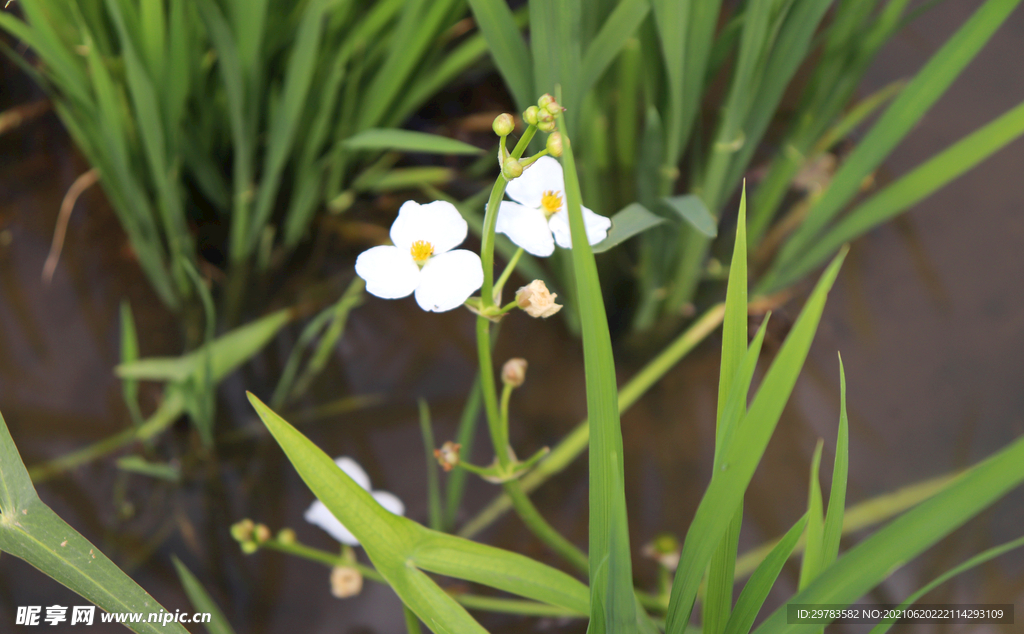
319, 515
422, 259
539, 211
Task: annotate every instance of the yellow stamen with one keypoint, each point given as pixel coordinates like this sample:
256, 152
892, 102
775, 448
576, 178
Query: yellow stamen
421, 251
551, 202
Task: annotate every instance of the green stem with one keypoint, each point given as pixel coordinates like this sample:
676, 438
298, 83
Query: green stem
511, 266
487, 388
506, 395
491, 221
323, 557
544, 531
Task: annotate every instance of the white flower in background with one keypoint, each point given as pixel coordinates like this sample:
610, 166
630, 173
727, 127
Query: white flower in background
319, 515
422, 259
539, 211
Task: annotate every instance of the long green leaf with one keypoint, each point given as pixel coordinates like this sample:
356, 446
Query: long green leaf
811, 564
507, 48
718, 599
408, 141
973, 562
692, 209
31, 531
910, 189
915, 100
612, 604
725, 492
870, 562
604, 48
760, 583
201, 600
840, 473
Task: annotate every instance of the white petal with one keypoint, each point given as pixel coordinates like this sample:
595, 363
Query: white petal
526, 227
438, 223
354, 471
596, 225
544, 175
319, 515
447, 280
389, 501
389, 272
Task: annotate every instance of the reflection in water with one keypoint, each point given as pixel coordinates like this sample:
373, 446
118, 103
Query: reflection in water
925, 315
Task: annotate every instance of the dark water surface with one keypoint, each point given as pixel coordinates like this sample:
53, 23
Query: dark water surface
927, 313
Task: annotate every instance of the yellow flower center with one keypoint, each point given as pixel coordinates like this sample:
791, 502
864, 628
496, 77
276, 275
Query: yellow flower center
421, 251
550, 202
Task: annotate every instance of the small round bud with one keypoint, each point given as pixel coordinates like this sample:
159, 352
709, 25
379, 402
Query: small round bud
664, 549
511, 169
242, 531
346, 582
545, 100
554, 144
262, 533
503, 124
513, 373
530, 115
448, 455
537, 300
286, 536
546, 126
250, 547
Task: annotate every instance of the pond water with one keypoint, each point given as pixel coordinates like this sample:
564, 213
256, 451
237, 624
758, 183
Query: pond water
927, 314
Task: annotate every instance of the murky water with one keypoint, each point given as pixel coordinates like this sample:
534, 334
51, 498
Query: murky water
927, 314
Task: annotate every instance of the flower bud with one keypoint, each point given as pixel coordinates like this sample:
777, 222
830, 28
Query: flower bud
242, 531
286, 536
513, 373
262, 533
448, 455
250, 547
511, 169
530, 115
346, 582
554, 144
546, 100
545, 121
537, 300
503, 124
665, 550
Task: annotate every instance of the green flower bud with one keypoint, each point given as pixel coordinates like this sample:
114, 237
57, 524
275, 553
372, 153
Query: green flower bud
554, 144
511, 169
250, 547
545, 100
530, 115
546, 126
503, 124
286, 536
242, 531
262, 533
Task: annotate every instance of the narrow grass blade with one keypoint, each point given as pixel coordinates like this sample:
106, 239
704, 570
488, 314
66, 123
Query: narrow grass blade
612, 604
910, 189
871, 561
632, 220
915, 100
973, 562
604, 48
433, 483
725, 492
840, 472
718, 598
507, 47
810, 567
672, 19
130, 354
201, 600
31, 531
760, 583
227, 353
556, 46
408, 141
200, 389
